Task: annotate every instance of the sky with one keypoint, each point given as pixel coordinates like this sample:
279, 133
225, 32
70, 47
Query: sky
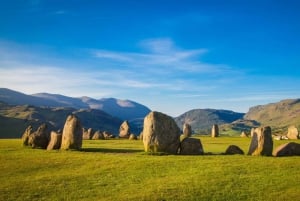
170, 55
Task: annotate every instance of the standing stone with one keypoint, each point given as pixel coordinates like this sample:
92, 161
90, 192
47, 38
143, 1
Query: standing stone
124, 130
98, 135
293, 133
39, 138
252, 132
233, 149
262, 142
72, 134
87, 134
55, 140
215, 131
191, 146
108, 135
26, 134
132, 137
288, 149
160, 133
244, 134
187, 129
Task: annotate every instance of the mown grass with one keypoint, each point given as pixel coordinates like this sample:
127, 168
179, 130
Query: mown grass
120, 170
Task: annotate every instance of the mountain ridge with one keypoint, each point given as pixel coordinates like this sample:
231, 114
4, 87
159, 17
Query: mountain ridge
123, 109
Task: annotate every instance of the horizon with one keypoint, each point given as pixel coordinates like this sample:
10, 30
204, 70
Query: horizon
171, 57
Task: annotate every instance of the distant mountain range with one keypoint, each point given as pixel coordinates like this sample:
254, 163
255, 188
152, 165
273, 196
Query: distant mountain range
123, 109
18, 110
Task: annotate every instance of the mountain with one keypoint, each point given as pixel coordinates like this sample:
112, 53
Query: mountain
15, 119
17, 98
202, 120
123, 109
277, 115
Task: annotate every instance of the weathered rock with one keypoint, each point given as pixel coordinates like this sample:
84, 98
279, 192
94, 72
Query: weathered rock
160, 133
187, 130
132, 137
124, 130
243, 134
262, 142
233, 149
39, 138
87, 134
55, 140
26, 134
215, 131
293, 133
108, 135
141, 135
72, 134
98, 135
252, 132
191, 146
288, 149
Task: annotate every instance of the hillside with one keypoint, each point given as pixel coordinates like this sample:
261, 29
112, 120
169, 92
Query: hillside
202, 120
15, 119
277, 115
122, 109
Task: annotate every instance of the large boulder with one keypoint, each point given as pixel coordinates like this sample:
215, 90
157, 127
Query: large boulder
233, 149
160, 133
72, 134
55, 140
261, 142
288, 149
187, 129
26, 134
124, 131
191, 146
215, 131
39, 138
293, 133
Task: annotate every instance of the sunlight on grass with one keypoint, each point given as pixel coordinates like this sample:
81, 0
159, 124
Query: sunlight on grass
120, 170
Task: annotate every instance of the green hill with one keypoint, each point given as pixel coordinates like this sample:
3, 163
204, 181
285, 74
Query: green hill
202, 120
15, 119
278, 115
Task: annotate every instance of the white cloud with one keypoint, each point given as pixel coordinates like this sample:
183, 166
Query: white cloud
162, 55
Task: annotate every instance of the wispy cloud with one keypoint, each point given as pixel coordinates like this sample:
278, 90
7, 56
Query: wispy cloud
162, 55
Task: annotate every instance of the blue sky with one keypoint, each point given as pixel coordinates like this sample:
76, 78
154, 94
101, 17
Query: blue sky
172, 56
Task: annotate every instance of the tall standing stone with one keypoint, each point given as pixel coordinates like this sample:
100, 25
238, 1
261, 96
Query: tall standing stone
72, 134
215, 131
55, 140
26, 134
262, 142
293, 133
87, 134
124, 131
187, 130
160, 133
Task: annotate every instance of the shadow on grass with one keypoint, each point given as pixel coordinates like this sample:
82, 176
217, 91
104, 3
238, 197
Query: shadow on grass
105, 150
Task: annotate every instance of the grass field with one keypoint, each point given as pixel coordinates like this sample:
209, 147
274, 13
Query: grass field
120, 170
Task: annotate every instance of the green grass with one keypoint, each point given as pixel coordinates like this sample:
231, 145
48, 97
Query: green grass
120, 170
